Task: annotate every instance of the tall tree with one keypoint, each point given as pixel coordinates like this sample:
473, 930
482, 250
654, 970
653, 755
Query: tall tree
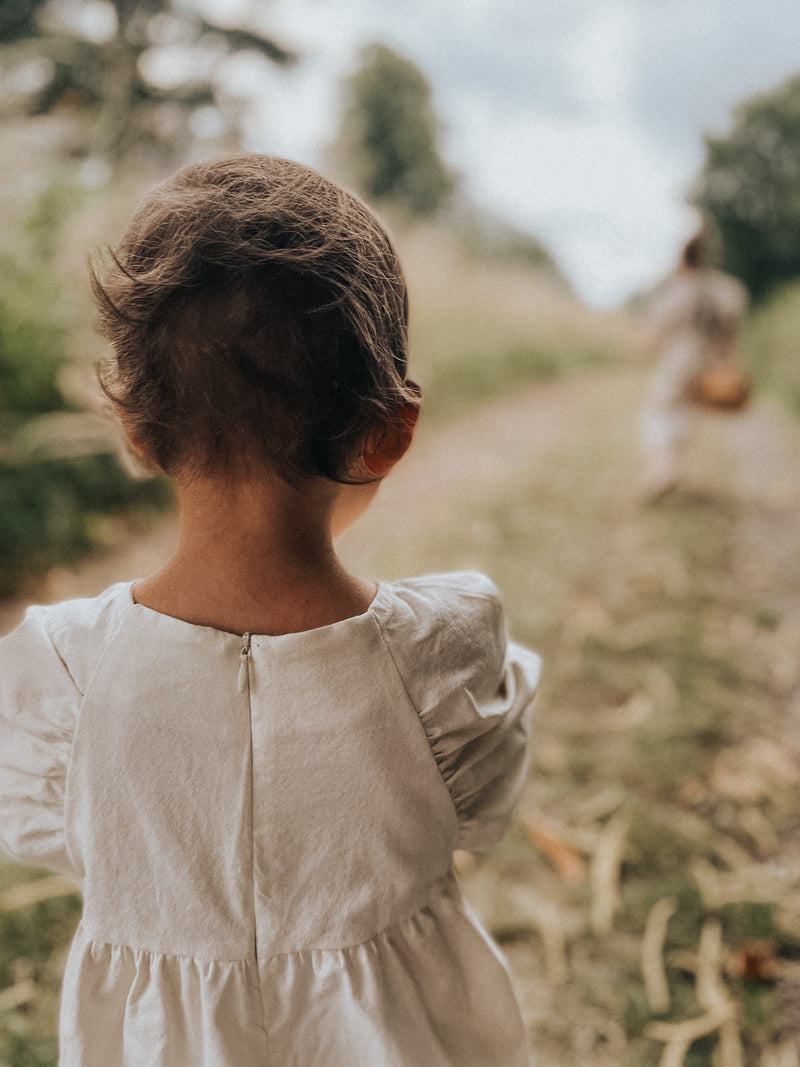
750, 187
389, 134
95, 59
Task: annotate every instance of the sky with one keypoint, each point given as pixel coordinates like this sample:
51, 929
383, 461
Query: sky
581, 121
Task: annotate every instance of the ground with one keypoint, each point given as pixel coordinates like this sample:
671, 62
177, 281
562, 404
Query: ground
648, 893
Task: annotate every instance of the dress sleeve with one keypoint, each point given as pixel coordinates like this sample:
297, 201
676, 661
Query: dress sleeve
473, 691
39, 703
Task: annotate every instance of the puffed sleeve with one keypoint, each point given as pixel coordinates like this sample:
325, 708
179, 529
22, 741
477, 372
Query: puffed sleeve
38, 709
473, 690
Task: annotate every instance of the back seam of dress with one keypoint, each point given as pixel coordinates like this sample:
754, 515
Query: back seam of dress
243, 683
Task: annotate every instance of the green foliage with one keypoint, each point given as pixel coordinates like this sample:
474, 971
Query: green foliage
52, 500
18, 19
32, 932
105, 82
24, 1051
389, 134
750, 187
34, 937
32, 315
31, 342
51, 510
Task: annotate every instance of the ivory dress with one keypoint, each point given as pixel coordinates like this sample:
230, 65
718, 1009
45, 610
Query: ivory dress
263, 827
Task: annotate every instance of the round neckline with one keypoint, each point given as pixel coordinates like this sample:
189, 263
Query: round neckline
370, 612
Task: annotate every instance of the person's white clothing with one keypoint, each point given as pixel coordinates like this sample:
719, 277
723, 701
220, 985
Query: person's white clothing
263, 827
693, 319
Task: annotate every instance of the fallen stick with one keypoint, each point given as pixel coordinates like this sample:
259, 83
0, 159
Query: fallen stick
653, 971
731, 1053
674, 1054
711, 992
688, 1030
555, 925
762, 883
605, 871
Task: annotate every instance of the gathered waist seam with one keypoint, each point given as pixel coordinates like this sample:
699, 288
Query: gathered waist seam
442, 888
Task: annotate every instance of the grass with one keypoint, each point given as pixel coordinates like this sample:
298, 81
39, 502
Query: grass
33, 946
480, 330
769, 346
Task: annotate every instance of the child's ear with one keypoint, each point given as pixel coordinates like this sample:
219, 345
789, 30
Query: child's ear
137, 449
387, 444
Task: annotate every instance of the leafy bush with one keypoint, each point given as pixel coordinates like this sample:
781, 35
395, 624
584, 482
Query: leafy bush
389, 134
32, 340
49, 509
50, 498
749, 187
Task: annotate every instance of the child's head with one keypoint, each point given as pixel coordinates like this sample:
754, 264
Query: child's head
258, 316
693, 252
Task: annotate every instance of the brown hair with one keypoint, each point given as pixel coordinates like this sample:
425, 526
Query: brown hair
258, 315
693, 253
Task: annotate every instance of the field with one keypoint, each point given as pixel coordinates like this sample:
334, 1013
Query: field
648, 893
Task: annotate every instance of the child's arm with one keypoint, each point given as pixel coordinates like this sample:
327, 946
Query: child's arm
490, 767
38, 711
473, 690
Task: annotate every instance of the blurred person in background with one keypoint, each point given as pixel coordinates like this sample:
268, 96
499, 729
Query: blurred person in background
693, 323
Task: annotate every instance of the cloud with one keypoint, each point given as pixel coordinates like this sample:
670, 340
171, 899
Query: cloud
609, 207
513, 55
696, 61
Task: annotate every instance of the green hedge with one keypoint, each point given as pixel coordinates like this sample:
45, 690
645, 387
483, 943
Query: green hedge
49, 510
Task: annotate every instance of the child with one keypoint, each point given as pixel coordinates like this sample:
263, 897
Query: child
694, 320
257, 765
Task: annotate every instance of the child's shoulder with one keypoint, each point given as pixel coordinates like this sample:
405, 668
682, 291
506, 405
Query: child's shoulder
457, 583
83, 614
76, 629
447, 634
447, 621
444, 591
462, 599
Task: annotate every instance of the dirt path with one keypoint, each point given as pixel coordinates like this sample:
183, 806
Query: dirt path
494, 446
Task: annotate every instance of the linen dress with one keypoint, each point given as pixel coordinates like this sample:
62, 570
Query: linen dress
263, 827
